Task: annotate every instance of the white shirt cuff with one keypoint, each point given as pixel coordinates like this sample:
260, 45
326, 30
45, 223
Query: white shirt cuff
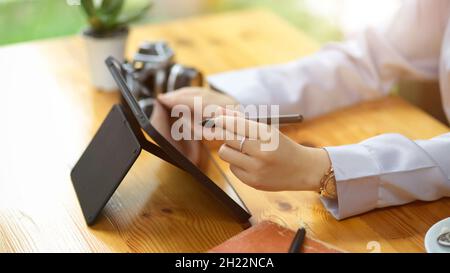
357, 182
387, 170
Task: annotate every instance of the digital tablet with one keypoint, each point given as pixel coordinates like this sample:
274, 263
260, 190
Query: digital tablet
190, 155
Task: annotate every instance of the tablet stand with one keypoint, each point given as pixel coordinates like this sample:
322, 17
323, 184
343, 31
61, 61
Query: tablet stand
108, 158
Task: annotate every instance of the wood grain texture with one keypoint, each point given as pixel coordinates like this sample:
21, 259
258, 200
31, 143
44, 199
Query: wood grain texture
49, 113
396, 229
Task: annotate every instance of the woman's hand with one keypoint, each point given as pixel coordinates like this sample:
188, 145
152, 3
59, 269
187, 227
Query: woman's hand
185, 96
290, 166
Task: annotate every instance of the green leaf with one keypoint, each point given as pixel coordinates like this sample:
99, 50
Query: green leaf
107, 16
111, 7
110, 10
135, 16
88, 7
91, 12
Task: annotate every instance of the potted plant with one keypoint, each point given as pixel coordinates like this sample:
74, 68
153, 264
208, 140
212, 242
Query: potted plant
106, 35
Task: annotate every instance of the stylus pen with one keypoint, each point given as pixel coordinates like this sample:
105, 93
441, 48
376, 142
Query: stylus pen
297, 243
280, 119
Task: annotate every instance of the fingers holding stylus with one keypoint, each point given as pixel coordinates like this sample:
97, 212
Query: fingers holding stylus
243, 135
266, 159
242, 148
240, 126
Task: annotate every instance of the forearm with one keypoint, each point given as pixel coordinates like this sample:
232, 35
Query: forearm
342, 74
335, 77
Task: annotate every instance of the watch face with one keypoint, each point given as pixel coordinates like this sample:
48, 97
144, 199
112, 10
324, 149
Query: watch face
330, 185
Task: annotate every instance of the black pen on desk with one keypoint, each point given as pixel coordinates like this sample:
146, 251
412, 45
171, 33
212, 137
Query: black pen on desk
279, 119
297, 243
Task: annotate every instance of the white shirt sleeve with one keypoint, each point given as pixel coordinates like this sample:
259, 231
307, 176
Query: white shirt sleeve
386, 170
341, 74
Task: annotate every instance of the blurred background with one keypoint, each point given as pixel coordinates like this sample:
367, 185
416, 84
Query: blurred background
324, 20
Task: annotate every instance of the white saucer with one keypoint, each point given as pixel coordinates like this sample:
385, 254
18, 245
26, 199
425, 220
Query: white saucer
431, 244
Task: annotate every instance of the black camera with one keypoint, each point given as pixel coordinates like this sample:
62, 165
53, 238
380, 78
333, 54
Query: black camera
153, 71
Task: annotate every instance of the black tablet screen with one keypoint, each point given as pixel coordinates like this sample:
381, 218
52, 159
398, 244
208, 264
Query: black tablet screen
191, 155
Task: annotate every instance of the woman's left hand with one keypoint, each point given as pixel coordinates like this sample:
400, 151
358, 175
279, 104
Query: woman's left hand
286, 166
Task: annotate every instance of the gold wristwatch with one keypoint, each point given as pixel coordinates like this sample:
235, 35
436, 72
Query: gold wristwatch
328, 185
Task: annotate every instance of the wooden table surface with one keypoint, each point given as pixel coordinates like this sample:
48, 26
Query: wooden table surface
49, 112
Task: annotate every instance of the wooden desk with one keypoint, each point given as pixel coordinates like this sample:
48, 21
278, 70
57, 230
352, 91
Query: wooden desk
395, 229
49, 114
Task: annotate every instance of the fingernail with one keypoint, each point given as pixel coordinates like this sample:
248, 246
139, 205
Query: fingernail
167, 95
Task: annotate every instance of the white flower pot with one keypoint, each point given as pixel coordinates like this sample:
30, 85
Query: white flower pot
98, 49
